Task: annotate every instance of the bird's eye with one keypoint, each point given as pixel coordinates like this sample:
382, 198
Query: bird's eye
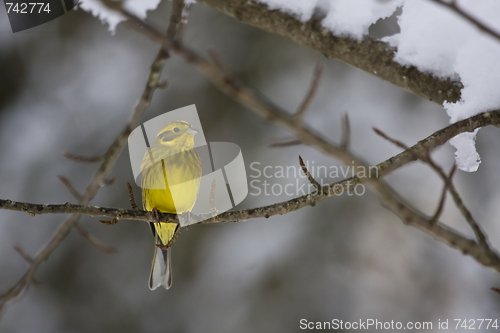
176, 129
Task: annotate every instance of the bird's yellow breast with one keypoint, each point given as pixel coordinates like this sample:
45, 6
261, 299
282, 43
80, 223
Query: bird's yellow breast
182, 171
157, 195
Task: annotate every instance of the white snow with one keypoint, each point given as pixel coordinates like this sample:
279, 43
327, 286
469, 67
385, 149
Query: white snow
343, 17
430, 36
137, 7
436, 40
353, 18
466, 155
303, 10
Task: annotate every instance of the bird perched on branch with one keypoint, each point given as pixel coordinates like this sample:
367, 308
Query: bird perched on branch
170, 161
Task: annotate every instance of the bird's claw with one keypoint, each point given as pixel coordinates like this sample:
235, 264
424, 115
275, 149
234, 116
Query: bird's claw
156, 214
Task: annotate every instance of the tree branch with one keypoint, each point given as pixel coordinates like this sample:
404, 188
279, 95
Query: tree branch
70, 187
94, 241
431, 142
426, 158
442, 199
254, 101
308, 98
284, 142
346, 133
308, 175
374, 57
108, 161
390, 199
369, 55
480, 25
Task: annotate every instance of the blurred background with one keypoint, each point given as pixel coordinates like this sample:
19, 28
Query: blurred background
70, 85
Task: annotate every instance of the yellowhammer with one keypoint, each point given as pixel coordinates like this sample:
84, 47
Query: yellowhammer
171, 160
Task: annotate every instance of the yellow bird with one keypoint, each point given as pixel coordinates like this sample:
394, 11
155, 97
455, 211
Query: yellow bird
170, 160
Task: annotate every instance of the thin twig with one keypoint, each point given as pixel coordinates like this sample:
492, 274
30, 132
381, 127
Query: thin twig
313, 87
83, 159
109, 181
174, 238
346, 133
131, 197
308, 175
398, 143
178, 19
442, 199
28, 278
29, 260
23, 254
94, 241
483, 27
162, 84
284, 143
426, 158
480, 235
217, 58
70, 187
497, 290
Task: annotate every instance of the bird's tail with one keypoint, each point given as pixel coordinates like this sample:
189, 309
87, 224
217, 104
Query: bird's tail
161, 270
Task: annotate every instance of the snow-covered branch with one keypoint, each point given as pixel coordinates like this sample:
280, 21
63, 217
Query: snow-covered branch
367, 54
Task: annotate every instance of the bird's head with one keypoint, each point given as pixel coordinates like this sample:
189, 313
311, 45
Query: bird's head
177, 133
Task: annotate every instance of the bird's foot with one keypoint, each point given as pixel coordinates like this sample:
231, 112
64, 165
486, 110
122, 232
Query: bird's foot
156, 214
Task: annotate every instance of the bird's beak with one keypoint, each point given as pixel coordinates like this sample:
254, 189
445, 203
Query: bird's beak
191, 130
